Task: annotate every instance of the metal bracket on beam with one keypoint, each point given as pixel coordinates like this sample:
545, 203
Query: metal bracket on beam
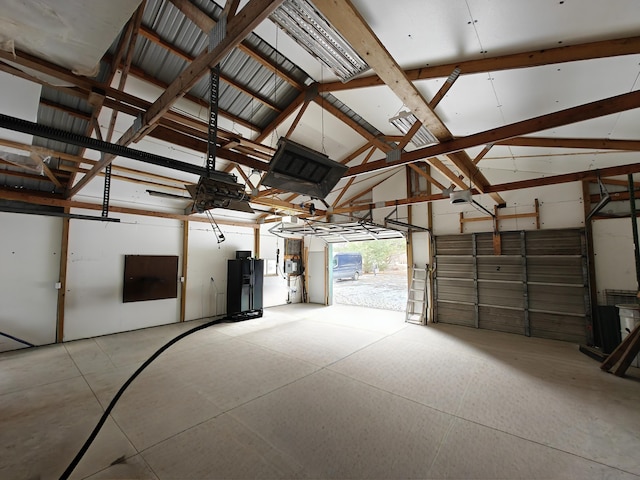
393, 155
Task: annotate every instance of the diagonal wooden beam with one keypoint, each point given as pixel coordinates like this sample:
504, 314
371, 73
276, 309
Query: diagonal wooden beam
363, 132
424, 174
237, 29
348, 21
296, 120
357, 152
364, 192
269, 129
136, 21
483, 153
607, 106
152, 36
352, 179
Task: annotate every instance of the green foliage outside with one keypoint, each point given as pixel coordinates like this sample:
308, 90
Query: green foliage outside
388, 254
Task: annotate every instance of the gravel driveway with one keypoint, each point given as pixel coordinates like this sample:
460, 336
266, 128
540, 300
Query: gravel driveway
387, 291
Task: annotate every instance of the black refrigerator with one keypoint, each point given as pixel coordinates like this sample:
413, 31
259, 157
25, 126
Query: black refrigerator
244, 288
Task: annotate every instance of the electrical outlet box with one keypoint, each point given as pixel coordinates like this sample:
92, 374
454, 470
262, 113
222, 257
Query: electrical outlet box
290, 267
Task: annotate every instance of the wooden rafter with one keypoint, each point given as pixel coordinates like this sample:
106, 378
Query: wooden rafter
591, 143
534, 58
336, 202
238, 28
152, 36
424, 174
296, 120
483, 153
132, 175
363, 132
346, 19
607, 106
206, 23
286, 113
40, 198
135, 21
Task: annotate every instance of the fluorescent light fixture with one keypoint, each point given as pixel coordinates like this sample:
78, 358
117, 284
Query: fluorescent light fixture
309, 28
404, 121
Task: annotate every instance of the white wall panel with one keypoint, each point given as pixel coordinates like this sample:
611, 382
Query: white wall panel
29, 268
207, 267
614, 256
95, 274
275, 286
560, 207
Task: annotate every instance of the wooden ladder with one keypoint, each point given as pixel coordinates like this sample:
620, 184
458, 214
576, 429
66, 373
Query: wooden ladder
417, 297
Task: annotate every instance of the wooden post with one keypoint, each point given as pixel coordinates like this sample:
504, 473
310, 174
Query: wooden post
256, 242
590, 258
64, 254
185, 256
409, 245
305, 263
497, 239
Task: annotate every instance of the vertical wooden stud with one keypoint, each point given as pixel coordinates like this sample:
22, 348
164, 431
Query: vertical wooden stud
64, 255
185, 256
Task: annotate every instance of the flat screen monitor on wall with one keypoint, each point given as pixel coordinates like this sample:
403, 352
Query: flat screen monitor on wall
150, 277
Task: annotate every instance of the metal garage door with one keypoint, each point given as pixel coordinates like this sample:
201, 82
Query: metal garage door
538, 286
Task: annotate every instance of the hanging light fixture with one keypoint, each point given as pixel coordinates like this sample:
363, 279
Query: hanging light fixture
311, 30
404, 121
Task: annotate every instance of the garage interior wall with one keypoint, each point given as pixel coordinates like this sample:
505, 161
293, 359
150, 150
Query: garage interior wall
613, 256
275, 284
207, 267
29, 266
537, 287
30, 247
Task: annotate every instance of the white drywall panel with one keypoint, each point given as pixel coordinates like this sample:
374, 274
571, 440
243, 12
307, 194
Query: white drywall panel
560, 207
614, 256
394, 188
29, 270
207, 267
272, 252
95, 274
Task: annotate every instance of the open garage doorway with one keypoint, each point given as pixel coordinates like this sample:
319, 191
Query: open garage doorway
370, 273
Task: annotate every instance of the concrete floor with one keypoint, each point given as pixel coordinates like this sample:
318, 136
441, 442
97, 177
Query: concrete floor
315, 392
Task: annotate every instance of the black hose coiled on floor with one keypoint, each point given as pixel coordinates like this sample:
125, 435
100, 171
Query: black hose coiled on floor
107, 412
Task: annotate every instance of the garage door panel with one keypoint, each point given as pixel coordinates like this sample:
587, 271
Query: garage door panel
555, 269
455, 267
456, 314
500, 268
557, 327
537, 286
510, 243
553, 242
501, 319
501, 294
557, 298
456, 290
454, 245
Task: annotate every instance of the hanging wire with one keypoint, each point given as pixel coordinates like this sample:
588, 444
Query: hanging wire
322, 110
275, 135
